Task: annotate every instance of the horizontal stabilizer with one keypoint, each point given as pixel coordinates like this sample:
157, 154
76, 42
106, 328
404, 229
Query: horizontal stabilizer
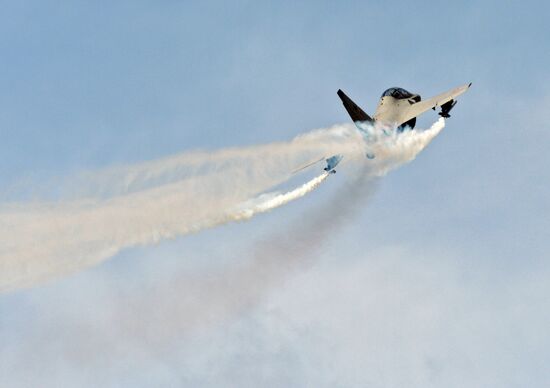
356, 113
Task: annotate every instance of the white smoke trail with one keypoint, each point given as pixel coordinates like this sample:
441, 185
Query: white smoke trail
391, 149
261, 204
270, 201
148, 202
272, 162
232, 289
142, 204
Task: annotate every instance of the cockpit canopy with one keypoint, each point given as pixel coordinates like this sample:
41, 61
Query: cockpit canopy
398, 93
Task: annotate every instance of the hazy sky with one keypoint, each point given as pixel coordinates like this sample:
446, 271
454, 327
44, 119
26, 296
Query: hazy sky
439, 277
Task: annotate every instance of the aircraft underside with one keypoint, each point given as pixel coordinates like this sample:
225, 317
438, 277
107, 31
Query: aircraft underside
400, 107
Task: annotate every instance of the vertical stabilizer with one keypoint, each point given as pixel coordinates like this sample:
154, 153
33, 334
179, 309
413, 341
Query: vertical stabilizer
356, 113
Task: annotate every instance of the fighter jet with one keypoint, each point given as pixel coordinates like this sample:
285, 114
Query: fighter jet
332, 162
400, 108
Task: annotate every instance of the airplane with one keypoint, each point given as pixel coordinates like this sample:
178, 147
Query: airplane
400, 107
332, 162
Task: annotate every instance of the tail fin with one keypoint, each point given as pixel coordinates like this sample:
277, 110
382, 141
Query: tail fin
354, 111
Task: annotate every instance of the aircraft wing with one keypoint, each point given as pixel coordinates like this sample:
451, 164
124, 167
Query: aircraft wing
420, 107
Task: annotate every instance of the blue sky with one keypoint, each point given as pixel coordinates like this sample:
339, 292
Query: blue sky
438, 280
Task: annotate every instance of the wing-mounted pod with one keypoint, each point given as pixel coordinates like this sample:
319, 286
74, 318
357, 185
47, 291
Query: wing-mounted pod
446, 108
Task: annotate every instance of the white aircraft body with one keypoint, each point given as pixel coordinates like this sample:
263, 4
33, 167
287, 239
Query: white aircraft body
398, 107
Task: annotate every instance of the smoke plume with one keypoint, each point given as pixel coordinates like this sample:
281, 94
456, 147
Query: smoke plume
102, 212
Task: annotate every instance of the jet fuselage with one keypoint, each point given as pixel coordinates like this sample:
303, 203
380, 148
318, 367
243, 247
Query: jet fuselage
392, 102
399, 107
